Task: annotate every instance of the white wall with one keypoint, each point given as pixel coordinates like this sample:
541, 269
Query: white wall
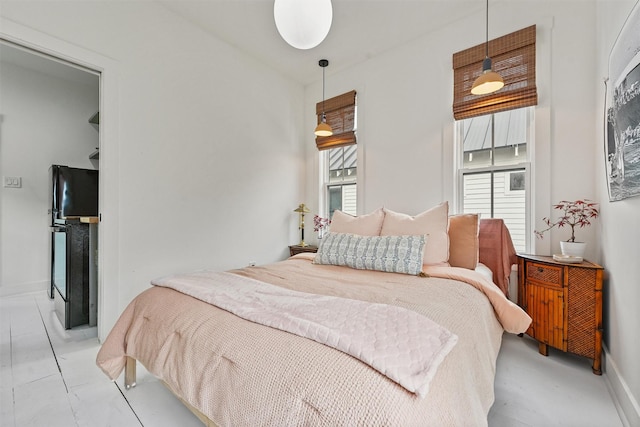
201, 169
405, 139
619, 236
190, 117
44, 121
405, 116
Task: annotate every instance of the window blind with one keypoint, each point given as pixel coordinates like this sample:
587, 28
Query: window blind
514, 58
341, 116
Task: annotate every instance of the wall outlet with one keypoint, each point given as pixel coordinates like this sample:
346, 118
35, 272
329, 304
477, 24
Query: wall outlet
12, 181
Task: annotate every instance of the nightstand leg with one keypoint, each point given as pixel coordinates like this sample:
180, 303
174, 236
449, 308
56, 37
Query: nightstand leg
543, 349
597, 368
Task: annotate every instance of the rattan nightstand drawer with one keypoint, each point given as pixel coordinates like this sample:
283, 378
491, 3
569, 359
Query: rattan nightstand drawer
545, 274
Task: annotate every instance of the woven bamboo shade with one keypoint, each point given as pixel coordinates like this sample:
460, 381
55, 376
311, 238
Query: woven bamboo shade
514, 58
340, 112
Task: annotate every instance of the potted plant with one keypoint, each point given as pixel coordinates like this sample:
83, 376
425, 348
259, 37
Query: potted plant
574, 214
319, 224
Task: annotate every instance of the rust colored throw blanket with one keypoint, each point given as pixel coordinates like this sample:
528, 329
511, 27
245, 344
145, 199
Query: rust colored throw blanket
240, 373
497, 251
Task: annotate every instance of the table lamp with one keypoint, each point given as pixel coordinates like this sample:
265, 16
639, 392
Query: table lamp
302, 209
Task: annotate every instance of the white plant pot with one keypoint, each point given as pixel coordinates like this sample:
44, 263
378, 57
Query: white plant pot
573, 248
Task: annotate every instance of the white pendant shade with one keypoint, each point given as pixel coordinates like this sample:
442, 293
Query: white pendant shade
303, 23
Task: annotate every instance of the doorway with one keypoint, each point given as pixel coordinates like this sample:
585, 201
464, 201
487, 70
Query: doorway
46, 111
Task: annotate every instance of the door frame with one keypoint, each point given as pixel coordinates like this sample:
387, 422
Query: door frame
108, 200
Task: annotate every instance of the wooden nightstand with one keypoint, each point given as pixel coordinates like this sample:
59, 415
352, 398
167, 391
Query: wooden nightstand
296, 249
565, 302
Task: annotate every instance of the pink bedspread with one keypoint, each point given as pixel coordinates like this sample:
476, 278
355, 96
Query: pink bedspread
399, 343
512, 318
239, 373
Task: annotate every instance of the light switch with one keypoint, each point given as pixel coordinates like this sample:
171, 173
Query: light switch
13, 181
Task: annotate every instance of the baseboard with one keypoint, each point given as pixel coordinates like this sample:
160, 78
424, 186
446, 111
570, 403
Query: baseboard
626, 404
24, 288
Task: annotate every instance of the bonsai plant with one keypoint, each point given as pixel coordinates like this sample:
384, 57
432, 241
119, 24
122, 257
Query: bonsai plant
574, 214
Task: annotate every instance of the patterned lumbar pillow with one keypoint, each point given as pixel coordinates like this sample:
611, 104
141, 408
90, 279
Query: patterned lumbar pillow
392, 254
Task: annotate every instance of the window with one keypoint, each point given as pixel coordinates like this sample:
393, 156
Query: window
494, 132
494, 169
339, 155
340, 182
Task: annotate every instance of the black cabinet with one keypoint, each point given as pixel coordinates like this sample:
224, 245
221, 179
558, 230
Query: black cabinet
70, 272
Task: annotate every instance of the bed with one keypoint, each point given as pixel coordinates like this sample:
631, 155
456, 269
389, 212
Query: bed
235, 372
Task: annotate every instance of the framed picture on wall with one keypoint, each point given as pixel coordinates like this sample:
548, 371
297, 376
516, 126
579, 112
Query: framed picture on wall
622, 138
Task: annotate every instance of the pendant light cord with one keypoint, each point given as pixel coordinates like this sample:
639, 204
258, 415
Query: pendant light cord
323, 116
487, 31
323, 63
323, 129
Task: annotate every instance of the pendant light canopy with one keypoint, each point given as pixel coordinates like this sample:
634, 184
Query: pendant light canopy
489, 81
323, 128
303, 24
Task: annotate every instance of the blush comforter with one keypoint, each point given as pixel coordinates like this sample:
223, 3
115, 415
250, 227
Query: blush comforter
239, 373
397, 342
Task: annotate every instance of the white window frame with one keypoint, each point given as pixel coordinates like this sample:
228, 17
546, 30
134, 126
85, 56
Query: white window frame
526, 165
325, 183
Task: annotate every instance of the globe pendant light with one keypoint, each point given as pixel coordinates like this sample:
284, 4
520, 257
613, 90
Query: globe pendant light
303, 23
489, 81
323, 128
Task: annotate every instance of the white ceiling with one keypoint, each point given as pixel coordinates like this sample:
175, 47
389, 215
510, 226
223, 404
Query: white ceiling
361, 29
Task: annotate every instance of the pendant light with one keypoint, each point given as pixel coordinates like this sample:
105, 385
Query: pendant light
323, 128
303, 24
489, 81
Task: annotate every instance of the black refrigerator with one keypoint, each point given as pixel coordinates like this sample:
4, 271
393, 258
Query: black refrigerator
73, 195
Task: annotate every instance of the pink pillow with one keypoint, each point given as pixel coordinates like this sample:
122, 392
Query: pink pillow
434, 223
463, 240
364, 225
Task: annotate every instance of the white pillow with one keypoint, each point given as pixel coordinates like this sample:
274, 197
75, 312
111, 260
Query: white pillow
433, 222
392, 254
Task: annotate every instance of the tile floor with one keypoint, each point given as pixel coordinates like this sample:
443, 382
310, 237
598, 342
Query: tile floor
49, 378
